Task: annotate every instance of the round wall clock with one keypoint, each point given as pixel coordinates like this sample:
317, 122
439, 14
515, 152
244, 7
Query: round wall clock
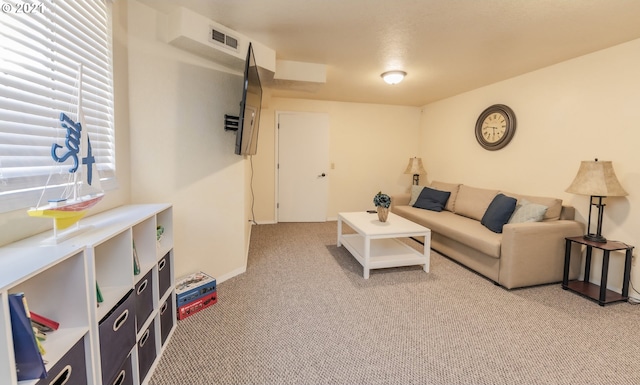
495, 127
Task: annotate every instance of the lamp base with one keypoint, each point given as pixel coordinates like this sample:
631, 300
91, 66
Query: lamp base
595, 238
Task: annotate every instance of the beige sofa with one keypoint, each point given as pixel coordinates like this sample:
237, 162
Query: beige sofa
524, 254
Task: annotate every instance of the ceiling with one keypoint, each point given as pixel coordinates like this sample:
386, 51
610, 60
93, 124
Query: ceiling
446, 46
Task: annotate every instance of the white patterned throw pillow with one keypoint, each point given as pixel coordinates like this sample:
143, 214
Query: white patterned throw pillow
528, 212
415, 193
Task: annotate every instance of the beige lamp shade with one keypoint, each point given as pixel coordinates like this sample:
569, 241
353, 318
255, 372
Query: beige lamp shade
596, 178
415, 167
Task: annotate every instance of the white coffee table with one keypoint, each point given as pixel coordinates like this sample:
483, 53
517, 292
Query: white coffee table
376, 245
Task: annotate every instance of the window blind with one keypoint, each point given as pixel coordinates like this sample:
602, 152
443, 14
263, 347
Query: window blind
42, 45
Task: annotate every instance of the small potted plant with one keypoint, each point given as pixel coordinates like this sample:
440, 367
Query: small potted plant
382, 202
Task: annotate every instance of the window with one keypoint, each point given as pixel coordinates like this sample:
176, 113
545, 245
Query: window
42, 45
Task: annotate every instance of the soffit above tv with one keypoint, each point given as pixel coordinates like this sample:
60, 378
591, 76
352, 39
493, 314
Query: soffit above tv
201, 36
206, 38
299, 76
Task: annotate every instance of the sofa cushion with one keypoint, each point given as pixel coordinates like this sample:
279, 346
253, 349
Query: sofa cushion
473, 202
554, 205
415, 193
452, 188
469, 232
498, 213
528, 212
432, 199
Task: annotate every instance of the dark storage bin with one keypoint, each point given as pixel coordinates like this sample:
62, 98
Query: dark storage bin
117, 332
164, 274
146, 351
167, 319
70, 370
144, 299
124, 375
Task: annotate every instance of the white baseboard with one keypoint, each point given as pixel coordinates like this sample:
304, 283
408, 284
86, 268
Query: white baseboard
231, 274
272, 222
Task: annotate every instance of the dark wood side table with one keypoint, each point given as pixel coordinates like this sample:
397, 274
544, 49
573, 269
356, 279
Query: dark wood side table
597, 293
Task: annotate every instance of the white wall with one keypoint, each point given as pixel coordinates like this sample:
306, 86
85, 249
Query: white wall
577, 110
180, 152
370, 146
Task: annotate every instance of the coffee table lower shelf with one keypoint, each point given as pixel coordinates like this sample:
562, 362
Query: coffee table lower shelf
385, 252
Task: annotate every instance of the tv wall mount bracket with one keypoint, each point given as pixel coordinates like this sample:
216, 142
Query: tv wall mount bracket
231, 122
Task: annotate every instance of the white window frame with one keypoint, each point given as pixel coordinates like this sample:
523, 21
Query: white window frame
42, 44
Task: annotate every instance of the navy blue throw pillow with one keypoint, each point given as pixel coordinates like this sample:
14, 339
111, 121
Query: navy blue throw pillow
499, 212
431, 199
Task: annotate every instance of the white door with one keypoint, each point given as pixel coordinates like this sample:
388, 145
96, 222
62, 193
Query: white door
303, 163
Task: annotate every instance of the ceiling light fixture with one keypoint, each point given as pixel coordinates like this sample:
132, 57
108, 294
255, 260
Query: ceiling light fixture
393, 77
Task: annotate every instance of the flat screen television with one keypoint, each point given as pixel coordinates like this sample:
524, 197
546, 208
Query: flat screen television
249, 118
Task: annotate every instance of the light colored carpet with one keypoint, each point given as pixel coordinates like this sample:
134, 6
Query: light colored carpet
303, 314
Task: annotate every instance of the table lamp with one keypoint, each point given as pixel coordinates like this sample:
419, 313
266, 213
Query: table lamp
415, 167
598, 180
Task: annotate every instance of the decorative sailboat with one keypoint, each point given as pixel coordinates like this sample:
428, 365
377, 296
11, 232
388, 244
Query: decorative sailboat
83, 189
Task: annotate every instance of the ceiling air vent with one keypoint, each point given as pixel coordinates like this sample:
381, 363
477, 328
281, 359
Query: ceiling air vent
217, 36
222, 38
232, 42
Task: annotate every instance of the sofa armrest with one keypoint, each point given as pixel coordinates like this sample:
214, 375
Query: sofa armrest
568, 212
533, 253
400, 200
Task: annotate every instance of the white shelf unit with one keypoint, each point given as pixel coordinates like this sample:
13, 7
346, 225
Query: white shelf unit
53, 280
59, 282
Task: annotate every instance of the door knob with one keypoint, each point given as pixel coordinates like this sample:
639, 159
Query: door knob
322, 175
